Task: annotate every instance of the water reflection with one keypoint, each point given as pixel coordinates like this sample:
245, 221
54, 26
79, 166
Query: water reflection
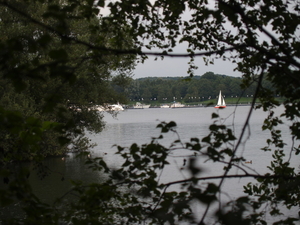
62, 171
52, 180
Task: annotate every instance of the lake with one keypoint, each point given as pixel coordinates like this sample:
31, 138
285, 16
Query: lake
139, 126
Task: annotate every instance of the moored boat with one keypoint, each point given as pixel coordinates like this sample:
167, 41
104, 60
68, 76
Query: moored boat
107, 107
177, 105
139, 105
164, 106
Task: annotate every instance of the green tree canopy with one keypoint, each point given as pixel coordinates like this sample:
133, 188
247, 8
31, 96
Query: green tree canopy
198, 86
50, 72
45, 53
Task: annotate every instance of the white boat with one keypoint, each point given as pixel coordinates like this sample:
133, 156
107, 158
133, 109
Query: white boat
164, 106
107, 107
116, 107
139, 105
177, 105
221, 102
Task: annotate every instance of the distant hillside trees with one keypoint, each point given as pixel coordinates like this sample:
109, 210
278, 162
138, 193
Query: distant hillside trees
196, 89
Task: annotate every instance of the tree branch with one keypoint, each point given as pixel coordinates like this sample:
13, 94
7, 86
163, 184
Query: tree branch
247, 20
256, 176
117, 51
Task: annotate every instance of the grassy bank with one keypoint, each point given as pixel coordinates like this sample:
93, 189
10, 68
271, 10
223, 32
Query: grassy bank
229, 101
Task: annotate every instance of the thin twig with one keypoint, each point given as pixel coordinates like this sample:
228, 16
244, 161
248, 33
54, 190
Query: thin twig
238, 143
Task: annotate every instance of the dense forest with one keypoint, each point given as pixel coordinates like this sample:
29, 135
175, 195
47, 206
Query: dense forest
42, 70
186, 89
59, 58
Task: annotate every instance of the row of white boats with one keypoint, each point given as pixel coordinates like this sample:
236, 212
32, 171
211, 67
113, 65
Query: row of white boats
138, 105
117, 107
221, 104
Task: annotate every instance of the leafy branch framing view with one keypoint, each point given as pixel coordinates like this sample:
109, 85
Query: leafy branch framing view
61, 58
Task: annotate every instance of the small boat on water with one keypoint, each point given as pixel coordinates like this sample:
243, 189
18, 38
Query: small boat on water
139, 105
116, 107
164, 106
108, 108
221, 102
177, 105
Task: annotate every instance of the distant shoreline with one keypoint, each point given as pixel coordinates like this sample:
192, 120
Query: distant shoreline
190, 106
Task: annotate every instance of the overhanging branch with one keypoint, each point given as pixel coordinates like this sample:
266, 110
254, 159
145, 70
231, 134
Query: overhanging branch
231, 176
117, 51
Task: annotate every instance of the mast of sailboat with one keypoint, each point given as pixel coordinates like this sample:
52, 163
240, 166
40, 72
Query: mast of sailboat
222, 99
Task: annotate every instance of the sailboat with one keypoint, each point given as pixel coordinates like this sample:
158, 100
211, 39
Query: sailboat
221, 102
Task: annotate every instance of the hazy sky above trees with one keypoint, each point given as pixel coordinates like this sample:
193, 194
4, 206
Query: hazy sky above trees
177, 67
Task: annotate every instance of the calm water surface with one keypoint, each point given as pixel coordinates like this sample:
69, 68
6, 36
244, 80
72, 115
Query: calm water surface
139, 126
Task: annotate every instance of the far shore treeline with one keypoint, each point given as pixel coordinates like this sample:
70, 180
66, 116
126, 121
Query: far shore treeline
189, 90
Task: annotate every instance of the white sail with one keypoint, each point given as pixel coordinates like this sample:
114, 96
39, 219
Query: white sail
221, 102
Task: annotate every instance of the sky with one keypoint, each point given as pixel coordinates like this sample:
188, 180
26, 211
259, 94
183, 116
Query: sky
178, 67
